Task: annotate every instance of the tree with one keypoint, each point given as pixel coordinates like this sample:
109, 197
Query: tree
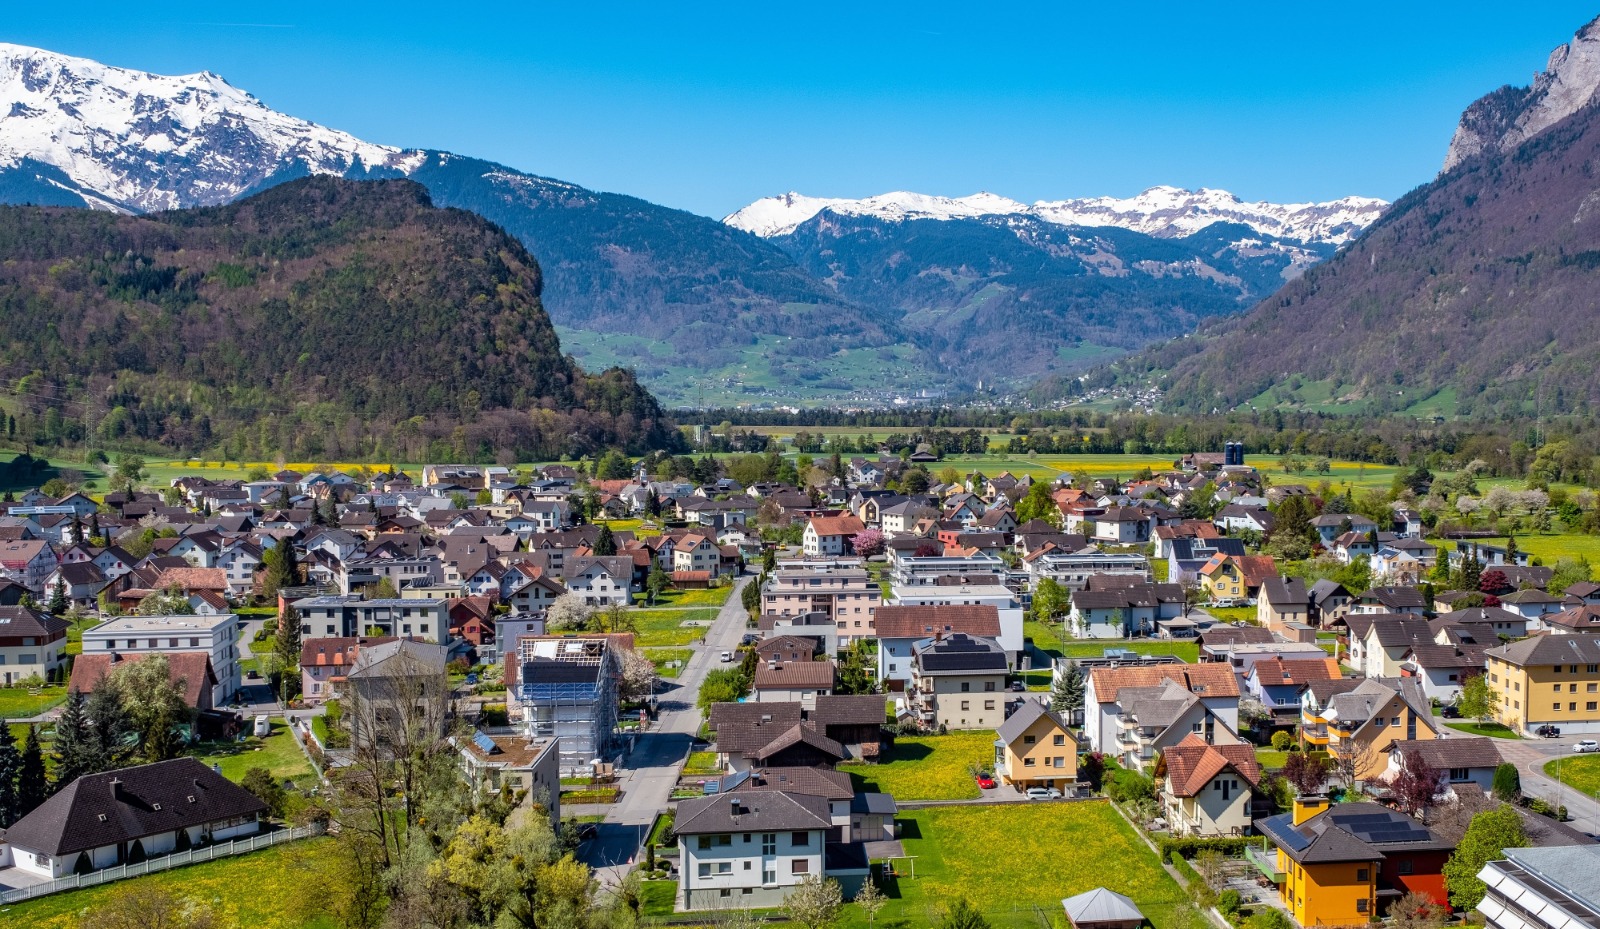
58, 598
1049, 600
286, 645
1066, 691
110, 729
259, 781
1569, 571
606, 542
141, 905
283, 570
1478, 700
568, 612
154, 704
1487, 838
1493, 581
638, 676
1507, 783
73, 748
1416, 786
170, 602
1417, 910
32, 785
868, 543
1306, 772
1209, 864
10, 771
384, 590
750, 599
815, 902
1037, 503
129, 473
963, 915
869, 900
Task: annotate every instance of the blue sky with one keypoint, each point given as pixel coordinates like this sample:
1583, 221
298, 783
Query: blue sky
709, 106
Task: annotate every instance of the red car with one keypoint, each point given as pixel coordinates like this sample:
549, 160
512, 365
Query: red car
986, 780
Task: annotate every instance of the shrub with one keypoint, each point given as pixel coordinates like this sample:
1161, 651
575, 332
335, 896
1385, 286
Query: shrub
1183, 867
493, 714
1507, 783
1127, 786
1190, 846
1228, 903
1281, 741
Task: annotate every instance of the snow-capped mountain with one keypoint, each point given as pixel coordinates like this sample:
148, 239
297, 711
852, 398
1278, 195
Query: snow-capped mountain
131, 140
1506, 118
1163, 212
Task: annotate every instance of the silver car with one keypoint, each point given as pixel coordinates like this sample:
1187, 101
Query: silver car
1043, 793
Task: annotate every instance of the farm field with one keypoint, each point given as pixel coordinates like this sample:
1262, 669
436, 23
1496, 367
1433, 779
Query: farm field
1356, 474
934, 767
1016, 861
714, 596
662, 628
262, 890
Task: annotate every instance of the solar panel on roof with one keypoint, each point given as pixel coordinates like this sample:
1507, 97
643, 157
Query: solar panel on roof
484, 743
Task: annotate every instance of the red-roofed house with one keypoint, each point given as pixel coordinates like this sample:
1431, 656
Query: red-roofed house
324, 663
1207, 788
831, 535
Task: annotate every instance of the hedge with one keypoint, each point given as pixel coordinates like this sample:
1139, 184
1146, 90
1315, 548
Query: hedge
1183, 867
1190, 846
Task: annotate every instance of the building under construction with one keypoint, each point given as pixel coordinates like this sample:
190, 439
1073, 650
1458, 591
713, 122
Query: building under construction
567, 689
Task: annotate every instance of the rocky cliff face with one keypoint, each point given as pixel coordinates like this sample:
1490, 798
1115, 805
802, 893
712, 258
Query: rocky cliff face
1504, 119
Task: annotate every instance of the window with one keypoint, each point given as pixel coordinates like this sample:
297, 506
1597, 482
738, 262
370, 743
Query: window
966, 704
769, 876
769, 843
1061, 740
1555, 707
705, 869
1361, 874
966, 686
800, 866
1361, 905
1590, 706
1572, 688
724, 867
1457, 775
800, 839
1573, 707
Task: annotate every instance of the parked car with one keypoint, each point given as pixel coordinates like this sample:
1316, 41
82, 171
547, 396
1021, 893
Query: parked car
1450, 712
750, 638
1019, 687
727, 657
1587, 745
986, 780
472, 679
1548, 732
1043, 793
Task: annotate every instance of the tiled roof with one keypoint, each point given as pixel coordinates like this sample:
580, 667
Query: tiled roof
1457, 752
792, 675
1206, 680
1192, 763
192, 668
912, 622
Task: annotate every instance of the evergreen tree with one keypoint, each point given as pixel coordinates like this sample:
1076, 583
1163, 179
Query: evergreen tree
286, 642
109, 729
32, 785
1066, 692
74, 750
652, 505
605, 543
10, 771
58, 598
1471, 571
283, 570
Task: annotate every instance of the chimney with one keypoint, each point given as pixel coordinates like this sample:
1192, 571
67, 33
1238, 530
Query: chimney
116, 789
1308, 806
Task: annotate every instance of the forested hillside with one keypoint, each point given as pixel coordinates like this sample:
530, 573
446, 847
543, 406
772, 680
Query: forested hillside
321, 319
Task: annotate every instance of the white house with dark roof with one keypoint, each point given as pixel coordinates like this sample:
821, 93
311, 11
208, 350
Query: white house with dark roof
751, 848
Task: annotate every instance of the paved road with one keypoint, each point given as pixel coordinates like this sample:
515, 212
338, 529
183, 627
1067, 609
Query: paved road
650, 769
1530, 756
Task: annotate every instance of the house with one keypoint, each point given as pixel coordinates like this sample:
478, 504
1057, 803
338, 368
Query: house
1462, 762
840, 588
1277, 683
1356, 720
786, 648
1236, 577
830, 535
1532, 604
32, 645
214, 636
393, 681
1102, 909
797, 681
757, 735
1329, 526
325, 661
1330, 603
964, 592
191, 672
1035, 748
957, 682
424, 619
1443, 668
1208, 787
1392, 566
1105, 694
28, 562
1334, 864
1549, 679
855, 816
565, 687
901, 627
1157, 717
494, 763
750, 848
1284, 601
128, 816
1542, 888
1237, 518
1378, 642
1107, 610
1187, 555
601, 580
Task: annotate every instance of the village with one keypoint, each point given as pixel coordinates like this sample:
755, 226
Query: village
1200, 695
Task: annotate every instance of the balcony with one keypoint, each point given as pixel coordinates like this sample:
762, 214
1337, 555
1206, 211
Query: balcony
1316, 735
1265, 861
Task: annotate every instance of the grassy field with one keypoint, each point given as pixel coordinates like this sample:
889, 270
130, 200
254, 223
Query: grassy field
1233, 614
1551, 548
1015, 861
1048, 645
17, 703
662, 658
1271, 760
657, 628
1492, 730
935, 767
1581, 772
262, 890
714, 596
278, 753
1354, 473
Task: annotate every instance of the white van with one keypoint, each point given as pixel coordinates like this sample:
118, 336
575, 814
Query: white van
263, 726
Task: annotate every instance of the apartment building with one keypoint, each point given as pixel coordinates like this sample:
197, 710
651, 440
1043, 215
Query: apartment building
1547, 680
841, 589
156, 635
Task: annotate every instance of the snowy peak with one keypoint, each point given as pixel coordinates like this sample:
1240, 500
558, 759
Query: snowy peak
1504, 119
150, 142
1166, 212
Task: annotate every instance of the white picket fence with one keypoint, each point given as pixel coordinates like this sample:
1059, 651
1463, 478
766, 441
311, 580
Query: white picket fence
163, 863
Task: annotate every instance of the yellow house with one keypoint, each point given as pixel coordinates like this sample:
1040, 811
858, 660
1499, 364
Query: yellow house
1548, 679
1222, 578
1035, 749
1357, 719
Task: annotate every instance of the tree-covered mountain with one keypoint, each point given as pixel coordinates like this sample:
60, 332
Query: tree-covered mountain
322, 319
1474, 294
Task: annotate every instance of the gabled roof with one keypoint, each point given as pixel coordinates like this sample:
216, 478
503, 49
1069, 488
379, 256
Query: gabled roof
751, 811
915, 622
192, 669
22, 621
1550, 649
746, 727
1294, 672
132, 803
1101, 906
1459, 752
799, 734
1349, 832
1207, 680
849, 710
837, 525
1192, 763
793, 675
1030, 712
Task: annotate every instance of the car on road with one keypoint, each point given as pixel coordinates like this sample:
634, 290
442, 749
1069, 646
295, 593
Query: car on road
985, 780
471, 679
1450, 712
1548, 732
1586, 745
727, 657
750, 638
1043, 793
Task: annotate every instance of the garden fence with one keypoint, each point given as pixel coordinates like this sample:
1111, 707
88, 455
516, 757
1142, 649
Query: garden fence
163, 863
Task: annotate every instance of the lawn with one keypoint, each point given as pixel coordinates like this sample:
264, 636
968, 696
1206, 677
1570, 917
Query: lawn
1581, 772
278, 753
657, 898
1233, 614
656, 628
17, 703
1017, 861
663, 659
935, 767
711, 596
1493, 730
1048, 645
262, 890
1271, 760
1552, 548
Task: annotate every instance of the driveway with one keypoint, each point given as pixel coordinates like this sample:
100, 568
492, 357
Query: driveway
650, 768
1530, 756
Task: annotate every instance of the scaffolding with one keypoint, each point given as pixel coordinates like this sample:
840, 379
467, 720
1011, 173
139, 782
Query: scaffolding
568, 691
